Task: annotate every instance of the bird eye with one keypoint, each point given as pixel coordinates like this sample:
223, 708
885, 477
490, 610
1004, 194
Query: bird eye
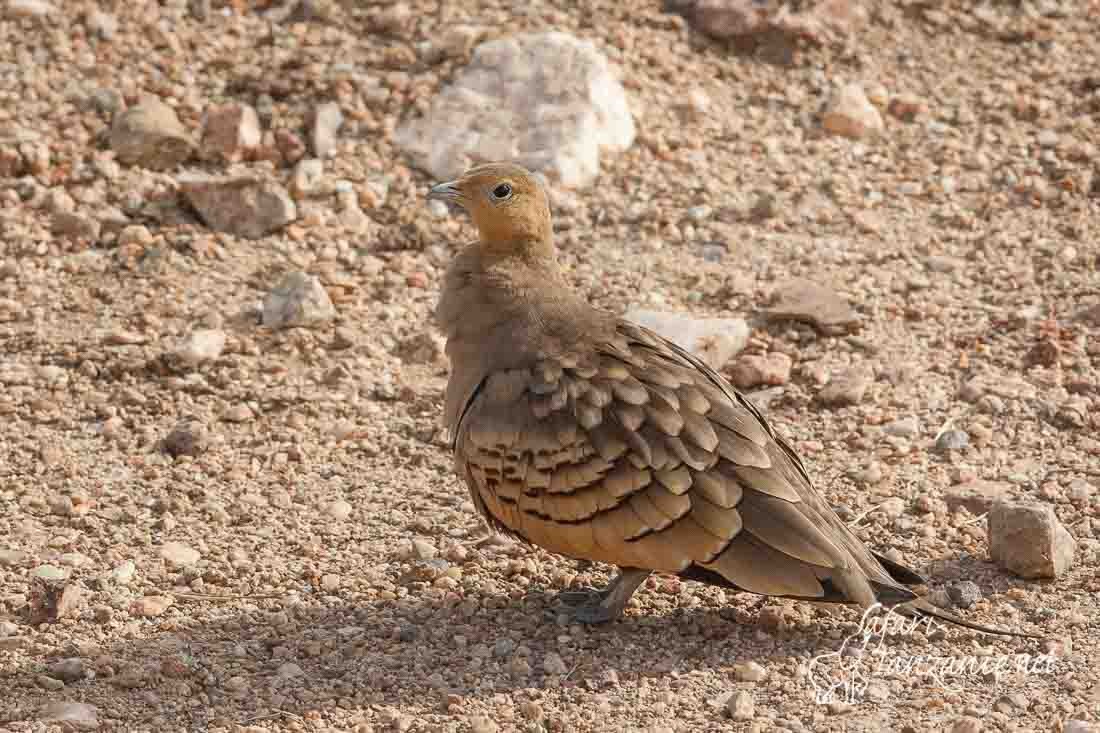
502, 192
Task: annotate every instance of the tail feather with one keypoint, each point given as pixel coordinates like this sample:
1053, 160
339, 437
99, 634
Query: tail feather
900, 573
921, 608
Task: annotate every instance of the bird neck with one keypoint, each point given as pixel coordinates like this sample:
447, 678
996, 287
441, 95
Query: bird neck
489, 284
530, 249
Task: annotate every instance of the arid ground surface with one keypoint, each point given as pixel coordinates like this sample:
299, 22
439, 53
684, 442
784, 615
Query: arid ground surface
316, 566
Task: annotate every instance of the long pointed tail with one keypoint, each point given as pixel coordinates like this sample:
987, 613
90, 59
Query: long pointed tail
921, 608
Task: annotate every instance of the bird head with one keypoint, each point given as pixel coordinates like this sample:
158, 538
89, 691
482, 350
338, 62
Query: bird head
507, 204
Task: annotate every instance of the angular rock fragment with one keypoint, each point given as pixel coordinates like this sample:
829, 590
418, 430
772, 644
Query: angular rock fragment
806, 301
850, 114
230, 131
976, 496
847, 388
1028, 540
244, 206
299, 300
150, 135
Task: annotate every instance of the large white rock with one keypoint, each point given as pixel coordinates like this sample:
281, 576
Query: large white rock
547, 101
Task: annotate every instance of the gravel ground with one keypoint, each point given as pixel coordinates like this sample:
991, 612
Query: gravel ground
308, 562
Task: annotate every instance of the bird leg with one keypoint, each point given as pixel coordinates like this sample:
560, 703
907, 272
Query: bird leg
597, 606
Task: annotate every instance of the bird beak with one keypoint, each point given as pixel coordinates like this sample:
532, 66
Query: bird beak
448, 192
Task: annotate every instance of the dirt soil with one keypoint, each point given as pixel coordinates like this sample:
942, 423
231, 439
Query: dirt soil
316, 566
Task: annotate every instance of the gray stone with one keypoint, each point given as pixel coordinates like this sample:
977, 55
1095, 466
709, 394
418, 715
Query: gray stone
71, 225
806, 301
814, 21
68, 670
951, 440
187, 438
976, 496
964, 594
299, 300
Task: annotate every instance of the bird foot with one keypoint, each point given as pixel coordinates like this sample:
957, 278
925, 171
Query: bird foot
600, 605
588, 605
595, 613
581, 596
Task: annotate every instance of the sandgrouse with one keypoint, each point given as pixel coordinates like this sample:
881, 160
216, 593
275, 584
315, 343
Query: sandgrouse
597, 439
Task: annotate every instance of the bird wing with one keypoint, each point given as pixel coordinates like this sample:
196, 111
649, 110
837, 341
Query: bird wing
633, 452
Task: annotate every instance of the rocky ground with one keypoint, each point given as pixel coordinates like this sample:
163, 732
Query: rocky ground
225, 500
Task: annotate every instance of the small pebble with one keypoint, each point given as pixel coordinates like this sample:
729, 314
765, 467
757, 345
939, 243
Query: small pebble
151, 606
202, 345
289, 671
238, 414
966, 725
68, 670
338, 510
50, 572
951, 440
552, 663
964, 594
740, 706
905, 427
177, 555
424, 550
749, 672
123, 573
